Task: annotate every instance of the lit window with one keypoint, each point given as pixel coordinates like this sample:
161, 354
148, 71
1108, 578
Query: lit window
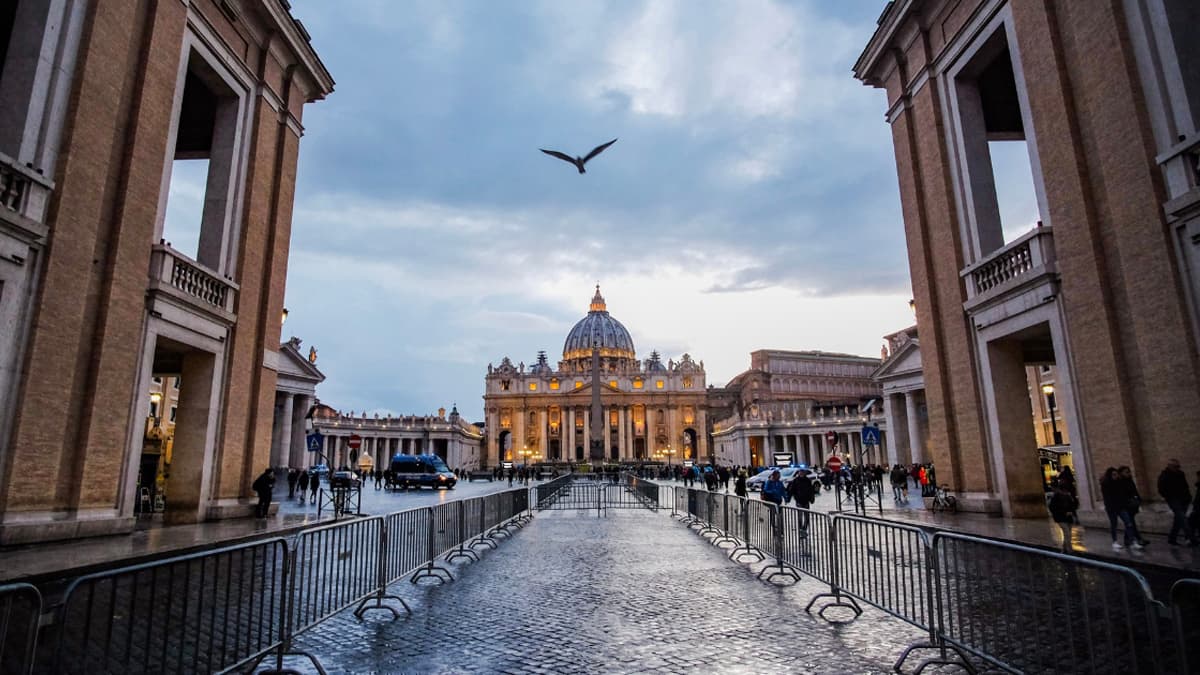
658, 384
687, 382
578, 384
554, 385
637, 384
612, 383
533, 386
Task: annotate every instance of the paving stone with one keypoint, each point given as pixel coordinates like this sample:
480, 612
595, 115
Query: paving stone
632, 592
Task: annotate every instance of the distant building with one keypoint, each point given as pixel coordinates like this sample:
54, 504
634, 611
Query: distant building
456, 441
646, 410
1103, 100
100, 103
806, 404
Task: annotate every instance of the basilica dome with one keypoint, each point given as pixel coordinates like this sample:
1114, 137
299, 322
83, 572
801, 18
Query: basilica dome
601, 329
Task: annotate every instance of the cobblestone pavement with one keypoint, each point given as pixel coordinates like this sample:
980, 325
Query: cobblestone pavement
632, 592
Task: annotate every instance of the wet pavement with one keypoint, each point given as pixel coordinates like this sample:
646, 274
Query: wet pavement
633, 592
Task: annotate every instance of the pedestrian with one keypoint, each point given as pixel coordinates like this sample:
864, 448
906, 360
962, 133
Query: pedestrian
772, 490
899, 479
739, 485
924, 478
801, 492
1194, 519
1173, 488
378, 479
1121, 502
293, 477
710, 480
313, 486
1062, 509
264, 485
302, 481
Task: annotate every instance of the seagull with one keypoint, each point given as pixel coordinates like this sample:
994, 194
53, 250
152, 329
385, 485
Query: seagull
578, 161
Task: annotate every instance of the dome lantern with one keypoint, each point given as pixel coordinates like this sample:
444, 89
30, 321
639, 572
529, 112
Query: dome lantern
603, 331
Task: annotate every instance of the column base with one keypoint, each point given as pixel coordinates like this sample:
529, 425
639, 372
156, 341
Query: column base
43, 526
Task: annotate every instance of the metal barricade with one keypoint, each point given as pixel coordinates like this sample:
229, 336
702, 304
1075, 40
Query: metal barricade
628, 497
1030, 610
470, 513
740, 524
20, 611
438, 538
1185, 610
408, 538
203, 612
725, 517
546, 493
765, 532
334, 567
575, 495
807, 542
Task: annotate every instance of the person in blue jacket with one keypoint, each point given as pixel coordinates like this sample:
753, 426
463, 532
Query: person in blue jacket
772, 490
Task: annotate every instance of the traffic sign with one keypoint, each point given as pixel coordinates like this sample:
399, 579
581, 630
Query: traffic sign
834, 463
870, 435
314, 441
355, 442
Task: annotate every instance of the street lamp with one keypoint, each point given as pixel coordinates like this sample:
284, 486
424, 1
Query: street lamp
1048, 390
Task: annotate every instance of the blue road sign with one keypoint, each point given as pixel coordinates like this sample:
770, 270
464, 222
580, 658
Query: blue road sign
314, 441
870, 435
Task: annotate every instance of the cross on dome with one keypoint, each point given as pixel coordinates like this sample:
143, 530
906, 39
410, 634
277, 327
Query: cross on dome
597, 301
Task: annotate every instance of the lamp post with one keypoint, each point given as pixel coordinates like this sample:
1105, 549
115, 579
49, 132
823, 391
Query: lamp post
1048, 390
156, 398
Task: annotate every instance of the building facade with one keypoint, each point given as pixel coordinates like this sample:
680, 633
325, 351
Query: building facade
904, 406
806, 404
99, 101
458, 442
648, 410
295, 396
1104, 101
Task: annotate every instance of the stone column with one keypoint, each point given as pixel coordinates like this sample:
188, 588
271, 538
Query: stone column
299, 445
916, 452
282, 440
568, 435
889, 414
543, 431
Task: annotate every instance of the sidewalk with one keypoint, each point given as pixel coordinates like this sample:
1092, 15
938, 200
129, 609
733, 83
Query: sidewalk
632, 592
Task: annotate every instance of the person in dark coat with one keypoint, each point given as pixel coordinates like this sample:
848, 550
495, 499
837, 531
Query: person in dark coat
313, 486
1121, 501
1173, 488
302, 481
739, 486
1062, 507
264, 485
293, 478
801, 491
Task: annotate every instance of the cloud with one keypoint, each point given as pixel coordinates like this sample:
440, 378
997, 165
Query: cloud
430, 236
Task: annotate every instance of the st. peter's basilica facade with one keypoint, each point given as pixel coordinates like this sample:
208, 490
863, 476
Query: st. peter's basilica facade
649, 410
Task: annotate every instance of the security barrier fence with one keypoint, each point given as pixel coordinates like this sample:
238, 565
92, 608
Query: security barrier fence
20, 610
582, 492
234, 607
980, 602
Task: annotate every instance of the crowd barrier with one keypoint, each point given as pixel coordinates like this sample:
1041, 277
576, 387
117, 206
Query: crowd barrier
234, 607
979, 602
20, 611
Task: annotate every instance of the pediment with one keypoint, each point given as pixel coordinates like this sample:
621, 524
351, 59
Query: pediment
293, 364
904, 361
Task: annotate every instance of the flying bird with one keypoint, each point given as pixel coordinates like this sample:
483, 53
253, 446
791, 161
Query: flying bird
578, 161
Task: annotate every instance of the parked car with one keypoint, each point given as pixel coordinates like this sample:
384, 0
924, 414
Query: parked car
415, 471
786, 474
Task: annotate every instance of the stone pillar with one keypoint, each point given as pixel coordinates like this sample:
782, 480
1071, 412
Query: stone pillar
914, 429
889, 414
299, 443
543, 432
568, 435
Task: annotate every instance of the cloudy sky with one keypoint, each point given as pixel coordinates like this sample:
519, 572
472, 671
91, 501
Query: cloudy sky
751, 201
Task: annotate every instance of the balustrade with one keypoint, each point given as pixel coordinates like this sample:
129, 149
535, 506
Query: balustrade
1009, 265
192, 279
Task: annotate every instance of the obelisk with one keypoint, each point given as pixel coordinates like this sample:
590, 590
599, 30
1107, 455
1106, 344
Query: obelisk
596, 452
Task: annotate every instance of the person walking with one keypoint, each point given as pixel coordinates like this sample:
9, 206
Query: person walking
313, 486
801, 491
1062, 509
264, 485
302, 483
1173, 488
1121, 502
739, 485
293, 476
772, 490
